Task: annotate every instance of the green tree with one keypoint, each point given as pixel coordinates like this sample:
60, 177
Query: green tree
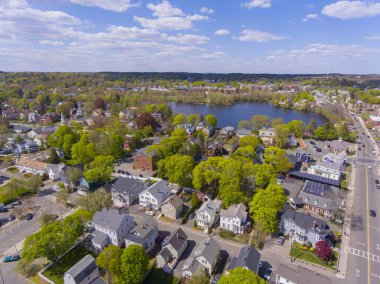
53, 157
100, 170
278, 158
57, 139
245, 154
244, 124
312, 125
211, 120
277, 121
109, 259
263, 174
191, 118
281, 135
177, 169
194, 199
253, 141
95, 201
259, 121
241, 275
47, 218
320, 133
134, 264
63, 195
178, 119
297, 127
200, 277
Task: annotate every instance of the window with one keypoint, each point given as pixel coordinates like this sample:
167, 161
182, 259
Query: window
316, 202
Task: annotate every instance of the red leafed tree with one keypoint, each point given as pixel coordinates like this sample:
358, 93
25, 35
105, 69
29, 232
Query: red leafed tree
99, 102
145, 119
323, 250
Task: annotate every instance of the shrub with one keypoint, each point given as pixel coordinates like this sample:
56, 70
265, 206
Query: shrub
226, 234
329, 263
323, 250
209, 231
308, 244
312, 249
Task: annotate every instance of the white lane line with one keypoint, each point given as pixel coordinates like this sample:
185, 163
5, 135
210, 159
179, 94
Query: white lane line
364, 254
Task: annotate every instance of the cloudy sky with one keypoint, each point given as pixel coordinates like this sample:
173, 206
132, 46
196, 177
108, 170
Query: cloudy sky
248, 36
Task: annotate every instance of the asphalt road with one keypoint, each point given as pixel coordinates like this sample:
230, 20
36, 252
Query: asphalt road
364, 247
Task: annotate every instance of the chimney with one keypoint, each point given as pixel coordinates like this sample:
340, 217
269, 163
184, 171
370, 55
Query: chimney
314, 225
177, 235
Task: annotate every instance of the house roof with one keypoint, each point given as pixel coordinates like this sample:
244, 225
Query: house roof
209, 249
304, 221
339, 145
34, 164
82, 269
332, 166
159, 190
127, 185
109, 218
177, 239
244, 131
174, 201
165, 254
248, 258
99, 237
210, 206
301, 275
239, 210
145, 227
317, 178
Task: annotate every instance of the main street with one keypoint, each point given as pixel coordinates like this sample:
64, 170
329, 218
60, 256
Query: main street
364, 246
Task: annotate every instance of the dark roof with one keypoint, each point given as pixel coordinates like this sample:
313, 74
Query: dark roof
311, 177
177, 239
175, 201
316, 188
304, 221
165, 254
301, 275
248, 258
82, 269
109, 218
127, 185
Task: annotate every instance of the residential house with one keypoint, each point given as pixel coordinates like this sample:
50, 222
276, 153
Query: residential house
206, 255
303, 227
84, 271
127, 114
214, 148
21, 129
241, 132
172, 207
11, 114
248, 258
143, 160
189, 127
267, 136
125, 190
31, 166
111, 227
85, 186
234, 219
300, 275
207, 214
321, 198
172, 250
340, 159
374, 120
144, 234
49, 118
67, 174
327, 170
340, 146
200, 126
155, 195
33, 117
27, 145
54, 171
292, 141
226, 133
208, 130
158, 116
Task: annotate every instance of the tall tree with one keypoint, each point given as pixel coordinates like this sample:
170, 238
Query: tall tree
259, 121
109, 259
134, 264
145, 119
100, 170
281, 135
211, 120
241, 275
178, 119
177, 169
95, 201
278, 158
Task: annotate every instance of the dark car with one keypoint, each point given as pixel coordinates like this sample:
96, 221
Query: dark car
29, 216
363, 145
11, 218
367, 136
318, 150
159, 239
3, 209
312, 142
11, 258
191, 215
16, 202
372, 213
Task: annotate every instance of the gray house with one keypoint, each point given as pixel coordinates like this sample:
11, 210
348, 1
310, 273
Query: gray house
111, 227
206, 255
286, 275
144, 234
172, 207
248, 258
83, 272
125, 190
303, 227
172, 250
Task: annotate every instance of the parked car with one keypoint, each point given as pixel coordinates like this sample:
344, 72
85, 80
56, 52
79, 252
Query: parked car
11, 258
3, 209
160, 238
268, 274
312, 142
56, 188
11, 218
151, 212
372, 213
16, 202
318, 150
29, 216
280, 240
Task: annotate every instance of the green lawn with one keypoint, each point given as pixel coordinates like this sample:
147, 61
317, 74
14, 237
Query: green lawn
311, 257
158, 276
72, 162
55, 273
13, 170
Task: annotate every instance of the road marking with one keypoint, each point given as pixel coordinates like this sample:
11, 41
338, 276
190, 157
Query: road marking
357, 272
360, 243
364, 254
378, 246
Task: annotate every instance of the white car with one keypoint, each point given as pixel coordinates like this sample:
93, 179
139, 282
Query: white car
369, 167
151, 212
279, 181
56, 188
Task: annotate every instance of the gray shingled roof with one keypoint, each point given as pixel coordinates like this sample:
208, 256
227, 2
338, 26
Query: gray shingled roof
304, 221
177, 239
83, 268
302, 275
165, 254
175, 201
159, 189
99, 237
109, 218
128, 185
210, 206
239, 211
249, 258
209, 249
144, 227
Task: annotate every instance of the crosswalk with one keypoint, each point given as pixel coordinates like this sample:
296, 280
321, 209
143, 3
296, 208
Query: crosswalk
364, 254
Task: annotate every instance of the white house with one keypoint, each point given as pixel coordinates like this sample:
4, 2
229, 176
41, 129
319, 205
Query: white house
84, 271
189, 127
111, 227
234, 218
155, 195
143, 234
208, 213
325, 169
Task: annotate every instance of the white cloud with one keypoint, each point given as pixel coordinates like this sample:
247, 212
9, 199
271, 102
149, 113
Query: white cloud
257, 4
111, 5
51, 42
346, 10
258, 36
188, 39
165, 9
310, 17
168, 18
217, 54
206, 10
373, 37
222, 32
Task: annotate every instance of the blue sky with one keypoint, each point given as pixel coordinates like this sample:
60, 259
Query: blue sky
247, 36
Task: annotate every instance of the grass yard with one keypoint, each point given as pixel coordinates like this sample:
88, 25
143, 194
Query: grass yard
55, 273
158, 276
311, 257
167, 219
241, 238
13, 170
72, 162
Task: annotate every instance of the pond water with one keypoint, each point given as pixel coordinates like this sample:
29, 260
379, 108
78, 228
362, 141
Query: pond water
232, 114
